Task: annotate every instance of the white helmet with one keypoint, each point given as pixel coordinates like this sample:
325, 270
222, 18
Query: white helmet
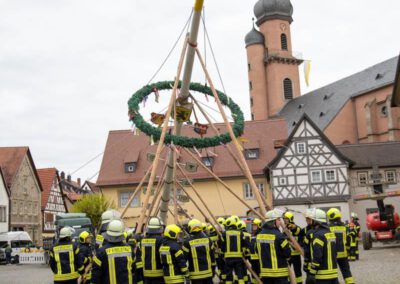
115, 231
110, 215
319, 216
273, 214
309, 213
66, 232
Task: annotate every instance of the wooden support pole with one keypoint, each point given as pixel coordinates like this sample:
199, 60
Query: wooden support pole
223, 183
162, 138
199, 196
233, 137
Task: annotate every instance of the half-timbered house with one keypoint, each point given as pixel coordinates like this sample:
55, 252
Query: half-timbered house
52, 199
309, 171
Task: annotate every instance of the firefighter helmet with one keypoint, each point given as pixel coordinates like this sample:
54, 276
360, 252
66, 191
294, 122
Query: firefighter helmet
289, 215
230, 222
110, 215
221, 220
194, 225
203, 227
319, 216
237, 219
257, 222
172, 231
241, 225
272, 215
334, 214
211, 229
66, 232
155, 226
83, 236
309, 213
115, 231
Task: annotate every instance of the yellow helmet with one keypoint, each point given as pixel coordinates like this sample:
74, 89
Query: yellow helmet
221, 220
333, 214
195, 225
237, 219
172, 231
83, 236
241, 225
211, 229
257, 222
229, 222
288, 215
203, 227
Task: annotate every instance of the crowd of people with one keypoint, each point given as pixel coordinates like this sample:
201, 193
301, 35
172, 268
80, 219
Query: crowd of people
197, 253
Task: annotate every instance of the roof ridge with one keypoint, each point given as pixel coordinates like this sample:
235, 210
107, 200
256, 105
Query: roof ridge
368, 144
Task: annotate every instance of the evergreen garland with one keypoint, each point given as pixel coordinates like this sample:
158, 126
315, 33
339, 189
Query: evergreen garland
187, 142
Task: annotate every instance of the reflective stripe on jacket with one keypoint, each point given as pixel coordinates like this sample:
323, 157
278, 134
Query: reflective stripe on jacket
173, 261
65, 261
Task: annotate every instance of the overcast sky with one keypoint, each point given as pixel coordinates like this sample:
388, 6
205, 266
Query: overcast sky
68, 68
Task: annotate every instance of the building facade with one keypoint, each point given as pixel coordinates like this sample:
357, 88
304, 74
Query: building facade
25, 191
309, 171
4, 204
52, 200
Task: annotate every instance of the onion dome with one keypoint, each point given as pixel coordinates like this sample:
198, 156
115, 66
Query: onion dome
254, 37
273, 9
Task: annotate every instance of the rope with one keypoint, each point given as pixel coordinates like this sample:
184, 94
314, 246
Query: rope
186, 27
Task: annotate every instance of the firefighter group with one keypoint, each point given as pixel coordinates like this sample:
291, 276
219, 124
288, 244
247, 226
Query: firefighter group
199, 253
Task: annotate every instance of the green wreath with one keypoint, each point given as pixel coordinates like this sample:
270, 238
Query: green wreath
187, 142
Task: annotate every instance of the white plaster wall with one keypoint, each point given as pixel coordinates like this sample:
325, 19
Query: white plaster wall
4, 202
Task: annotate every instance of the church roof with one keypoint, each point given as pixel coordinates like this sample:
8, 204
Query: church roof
265, 10
323, 104
367, 155
254, 37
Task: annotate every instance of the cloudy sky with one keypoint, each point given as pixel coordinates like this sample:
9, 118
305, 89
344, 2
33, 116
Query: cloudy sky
67, 68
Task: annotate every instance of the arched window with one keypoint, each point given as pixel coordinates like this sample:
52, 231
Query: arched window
287, 89
283, 42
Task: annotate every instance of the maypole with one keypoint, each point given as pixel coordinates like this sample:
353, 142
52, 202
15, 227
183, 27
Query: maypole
182, 100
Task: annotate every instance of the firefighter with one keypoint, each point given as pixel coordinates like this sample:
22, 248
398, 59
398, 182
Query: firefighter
213, 235
323, 251
132, 241
106, 218
339, 228
254, 260
199, 251
295, 259
233, 244
114, 262
241, 226
352, 242
150, 251
85, 250
273, 250
65, 260
172, 257
357, 228
219, 255
307, 236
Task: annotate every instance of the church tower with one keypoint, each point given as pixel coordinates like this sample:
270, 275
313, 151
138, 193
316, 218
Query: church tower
272, 67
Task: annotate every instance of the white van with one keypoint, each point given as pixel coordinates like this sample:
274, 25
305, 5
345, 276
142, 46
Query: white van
18, 241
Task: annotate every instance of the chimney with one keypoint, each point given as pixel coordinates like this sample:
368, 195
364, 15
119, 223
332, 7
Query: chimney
69, 177
62, 175
79, 181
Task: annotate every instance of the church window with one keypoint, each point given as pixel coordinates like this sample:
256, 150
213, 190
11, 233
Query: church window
252, 116
301, 148
316, 176
251, 102
250, 85
330, 175
362, 178
390, 176
248, 66
287, 89
284, 44
384, 111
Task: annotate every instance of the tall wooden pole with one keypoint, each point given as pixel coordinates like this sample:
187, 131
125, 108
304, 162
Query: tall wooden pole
182, 100
162, 138
234, 140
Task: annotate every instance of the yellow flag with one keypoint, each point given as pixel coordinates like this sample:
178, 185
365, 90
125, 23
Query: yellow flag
307, 66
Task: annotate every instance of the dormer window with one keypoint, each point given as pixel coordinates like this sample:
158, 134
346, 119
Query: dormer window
208, 161
252, 154
130, 167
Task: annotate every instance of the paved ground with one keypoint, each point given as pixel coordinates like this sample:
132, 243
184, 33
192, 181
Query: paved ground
378, 265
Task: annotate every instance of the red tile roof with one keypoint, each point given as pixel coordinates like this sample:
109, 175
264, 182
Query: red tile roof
94, 187
46, 177
123, 143
10, 162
